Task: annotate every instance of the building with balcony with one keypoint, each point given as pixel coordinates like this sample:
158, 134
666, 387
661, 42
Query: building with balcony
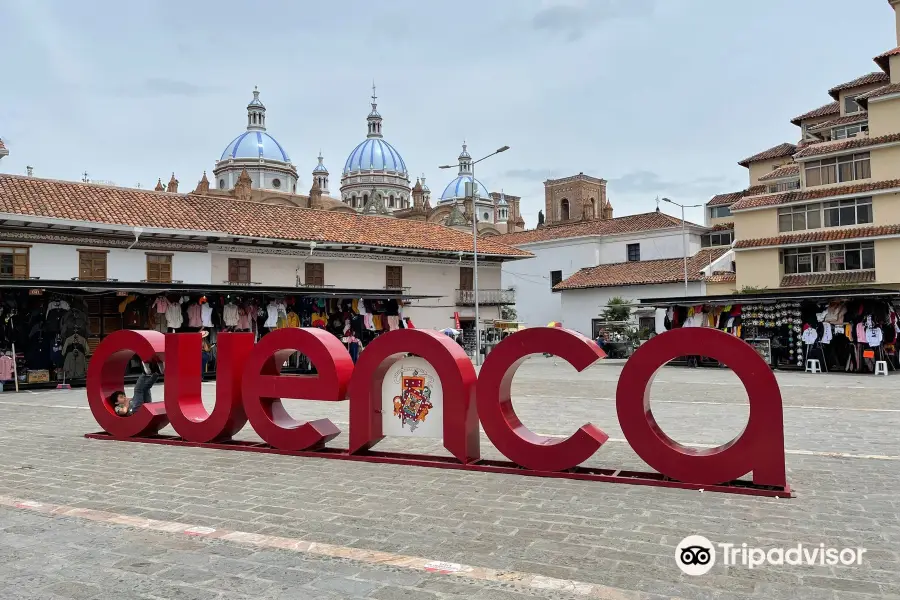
825, 211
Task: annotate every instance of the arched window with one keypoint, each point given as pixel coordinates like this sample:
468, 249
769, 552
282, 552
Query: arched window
365, 199
592, 209
391, 201
353, 200
564, 209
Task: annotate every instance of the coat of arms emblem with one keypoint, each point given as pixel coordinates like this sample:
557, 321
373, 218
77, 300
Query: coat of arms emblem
414, 401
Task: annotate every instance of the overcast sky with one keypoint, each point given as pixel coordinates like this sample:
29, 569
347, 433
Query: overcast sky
660, 97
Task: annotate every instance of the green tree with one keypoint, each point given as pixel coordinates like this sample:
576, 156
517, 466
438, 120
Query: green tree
618, 309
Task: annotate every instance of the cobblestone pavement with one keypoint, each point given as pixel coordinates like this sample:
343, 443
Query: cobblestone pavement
843, 460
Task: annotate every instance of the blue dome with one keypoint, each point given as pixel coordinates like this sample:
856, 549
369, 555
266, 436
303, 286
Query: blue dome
255, 144
457, 189
374, 154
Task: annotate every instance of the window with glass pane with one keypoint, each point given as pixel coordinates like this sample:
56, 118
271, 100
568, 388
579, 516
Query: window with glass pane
821, 172
845, 168
863, 210
633, 252
785, 220
850, 105
718, 212
813, 216
861, 166
868, 255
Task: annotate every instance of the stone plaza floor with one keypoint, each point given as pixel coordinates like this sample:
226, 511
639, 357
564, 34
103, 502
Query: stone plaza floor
300, 528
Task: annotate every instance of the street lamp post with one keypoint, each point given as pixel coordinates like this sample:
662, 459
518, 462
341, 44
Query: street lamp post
683, 238
475, 247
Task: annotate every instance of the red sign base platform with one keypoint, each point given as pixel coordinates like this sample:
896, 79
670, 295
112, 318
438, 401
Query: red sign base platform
747, 488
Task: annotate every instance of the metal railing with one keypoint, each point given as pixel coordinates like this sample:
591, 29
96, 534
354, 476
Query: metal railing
485, 297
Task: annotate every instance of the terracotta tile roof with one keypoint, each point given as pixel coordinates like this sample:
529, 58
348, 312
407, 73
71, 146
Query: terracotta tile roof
629, 224
823, 111
814, 194
721, 277
75, 201
851, 144
723, 226
860, 117
732, 197
779, 151
884, 90
782, 173
883, 60
834, 278
821, 235
643, 272
867, 79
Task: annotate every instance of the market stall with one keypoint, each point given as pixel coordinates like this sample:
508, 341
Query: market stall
846, 330
48, 333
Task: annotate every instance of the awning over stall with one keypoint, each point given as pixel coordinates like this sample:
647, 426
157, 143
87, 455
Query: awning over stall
95, 287
773, 296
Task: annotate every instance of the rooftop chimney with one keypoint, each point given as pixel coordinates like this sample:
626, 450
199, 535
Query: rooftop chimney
29, 171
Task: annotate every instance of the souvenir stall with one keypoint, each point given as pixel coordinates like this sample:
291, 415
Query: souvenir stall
47, 335
849, 333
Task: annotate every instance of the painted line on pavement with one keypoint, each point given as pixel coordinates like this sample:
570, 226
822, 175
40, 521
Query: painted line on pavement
41, 405
519, 579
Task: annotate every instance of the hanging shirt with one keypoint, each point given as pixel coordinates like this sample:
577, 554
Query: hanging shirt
874, 336
660, 319
293, 320
174, 318
810, 336
272, 315
206, 312
230, 315
161, 304
195, 317
826, 334
243, 321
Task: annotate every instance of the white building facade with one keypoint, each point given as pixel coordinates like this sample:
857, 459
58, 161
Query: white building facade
563, 250
201, 244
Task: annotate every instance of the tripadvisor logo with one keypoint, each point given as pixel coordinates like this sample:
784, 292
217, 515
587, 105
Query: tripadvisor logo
696, 555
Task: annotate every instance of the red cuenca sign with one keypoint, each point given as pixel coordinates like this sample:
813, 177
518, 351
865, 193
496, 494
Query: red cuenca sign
251, 388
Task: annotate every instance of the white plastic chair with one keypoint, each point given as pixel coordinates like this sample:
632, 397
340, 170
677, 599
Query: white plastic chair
812, 365
881, 367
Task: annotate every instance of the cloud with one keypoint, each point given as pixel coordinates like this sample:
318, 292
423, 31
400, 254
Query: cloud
650, 183
154, 87
573, 20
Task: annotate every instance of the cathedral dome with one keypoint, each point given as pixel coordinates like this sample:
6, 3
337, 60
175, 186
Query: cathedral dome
255, 144
256, 151
374, 154
375, 179
457, 189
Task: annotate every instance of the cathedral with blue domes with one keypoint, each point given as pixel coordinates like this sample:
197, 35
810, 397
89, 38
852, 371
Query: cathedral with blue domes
375, 180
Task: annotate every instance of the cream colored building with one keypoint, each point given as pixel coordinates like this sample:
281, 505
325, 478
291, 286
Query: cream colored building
826, 210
